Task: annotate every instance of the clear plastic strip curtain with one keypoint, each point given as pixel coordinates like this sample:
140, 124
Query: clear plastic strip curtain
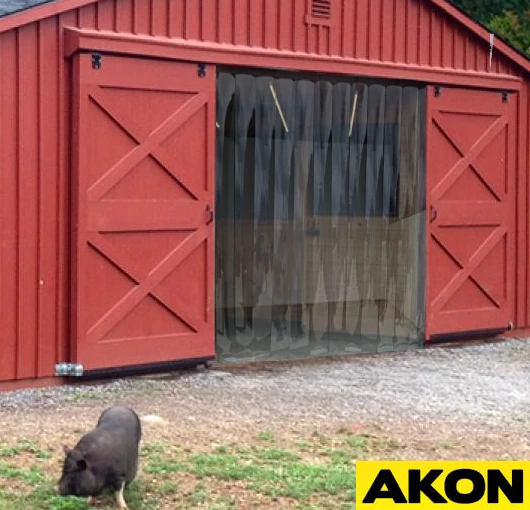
320, 229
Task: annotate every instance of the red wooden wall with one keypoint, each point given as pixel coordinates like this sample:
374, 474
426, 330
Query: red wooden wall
35, 131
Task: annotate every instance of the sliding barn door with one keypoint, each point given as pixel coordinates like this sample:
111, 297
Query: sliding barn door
471, 210
143, 181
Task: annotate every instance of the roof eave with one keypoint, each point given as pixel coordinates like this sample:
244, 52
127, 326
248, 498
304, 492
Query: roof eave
41, 11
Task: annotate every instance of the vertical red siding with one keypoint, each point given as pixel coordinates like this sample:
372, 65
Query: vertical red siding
525, 232
469, 55
35, 131
447, 44
388, 30
424, 35
192, 20
208, 29
141, 16
34, 203
28, 199
106, 19
400, 32
224, 21
88, 16
348, 16
523, 275
361, 36
285, 28
159, 18
271, 24
436, 40
411, 48
125, 16
48, 213
256, 23
409, 31
240, 21
8, 206
459, 50
374, 30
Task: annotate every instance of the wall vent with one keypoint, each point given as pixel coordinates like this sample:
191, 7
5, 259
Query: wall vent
321, 9
319, 12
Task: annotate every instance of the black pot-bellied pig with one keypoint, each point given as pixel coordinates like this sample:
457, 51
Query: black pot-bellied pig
104, 458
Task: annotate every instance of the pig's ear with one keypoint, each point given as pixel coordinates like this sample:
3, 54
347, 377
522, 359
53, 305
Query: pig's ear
66, 450
81, 464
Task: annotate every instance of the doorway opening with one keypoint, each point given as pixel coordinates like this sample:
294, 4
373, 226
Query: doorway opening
320, 228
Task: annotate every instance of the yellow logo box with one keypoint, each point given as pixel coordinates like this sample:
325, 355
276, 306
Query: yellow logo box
439, 484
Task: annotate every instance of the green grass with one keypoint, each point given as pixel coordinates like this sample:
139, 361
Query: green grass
199, 496
274, 472
313, 472
357, 442
168, 487
24, 446
161, 467
266, 436
264, 469
31, 476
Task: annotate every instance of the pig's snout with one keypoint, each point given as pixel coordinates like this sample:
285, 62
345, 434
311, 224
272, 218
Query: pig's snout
71, 486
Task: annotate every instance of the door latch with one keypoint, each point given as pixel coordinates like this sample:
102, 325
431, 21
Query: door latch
201, 70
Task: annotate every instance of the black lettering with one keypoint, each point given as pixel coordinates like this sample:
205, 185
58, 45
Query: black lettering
384, 478
417, 485
477, 492
497, 482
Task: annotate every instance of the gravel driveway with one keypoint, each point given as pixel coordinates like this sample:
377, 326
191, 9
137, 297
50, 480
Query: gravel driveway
476, 396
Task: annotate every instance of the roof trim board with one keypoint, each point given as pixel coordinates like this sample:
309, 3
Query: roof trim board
223, 54
54, 7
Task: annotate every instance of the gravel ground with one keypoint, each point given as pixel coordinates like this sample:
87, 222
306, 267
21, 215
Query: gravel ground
479, 391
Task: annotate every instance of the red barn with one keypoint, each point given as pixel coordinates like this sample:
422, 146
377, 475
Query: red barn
371, 160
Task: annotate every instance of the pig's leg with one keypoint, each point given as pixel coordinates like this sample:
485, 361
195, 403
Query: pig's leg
119, 498
91, 501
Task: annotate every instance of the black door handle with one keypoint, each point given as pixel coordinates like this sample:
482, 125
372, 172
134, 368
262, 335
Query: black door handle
209, 214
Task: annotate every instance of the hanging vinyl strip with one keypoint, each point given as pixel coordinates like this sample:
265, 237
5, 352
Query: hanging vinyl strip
374, 159
283, 94
225, 94
303, 154
333, 249
244, 110
390, 192
355, 228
